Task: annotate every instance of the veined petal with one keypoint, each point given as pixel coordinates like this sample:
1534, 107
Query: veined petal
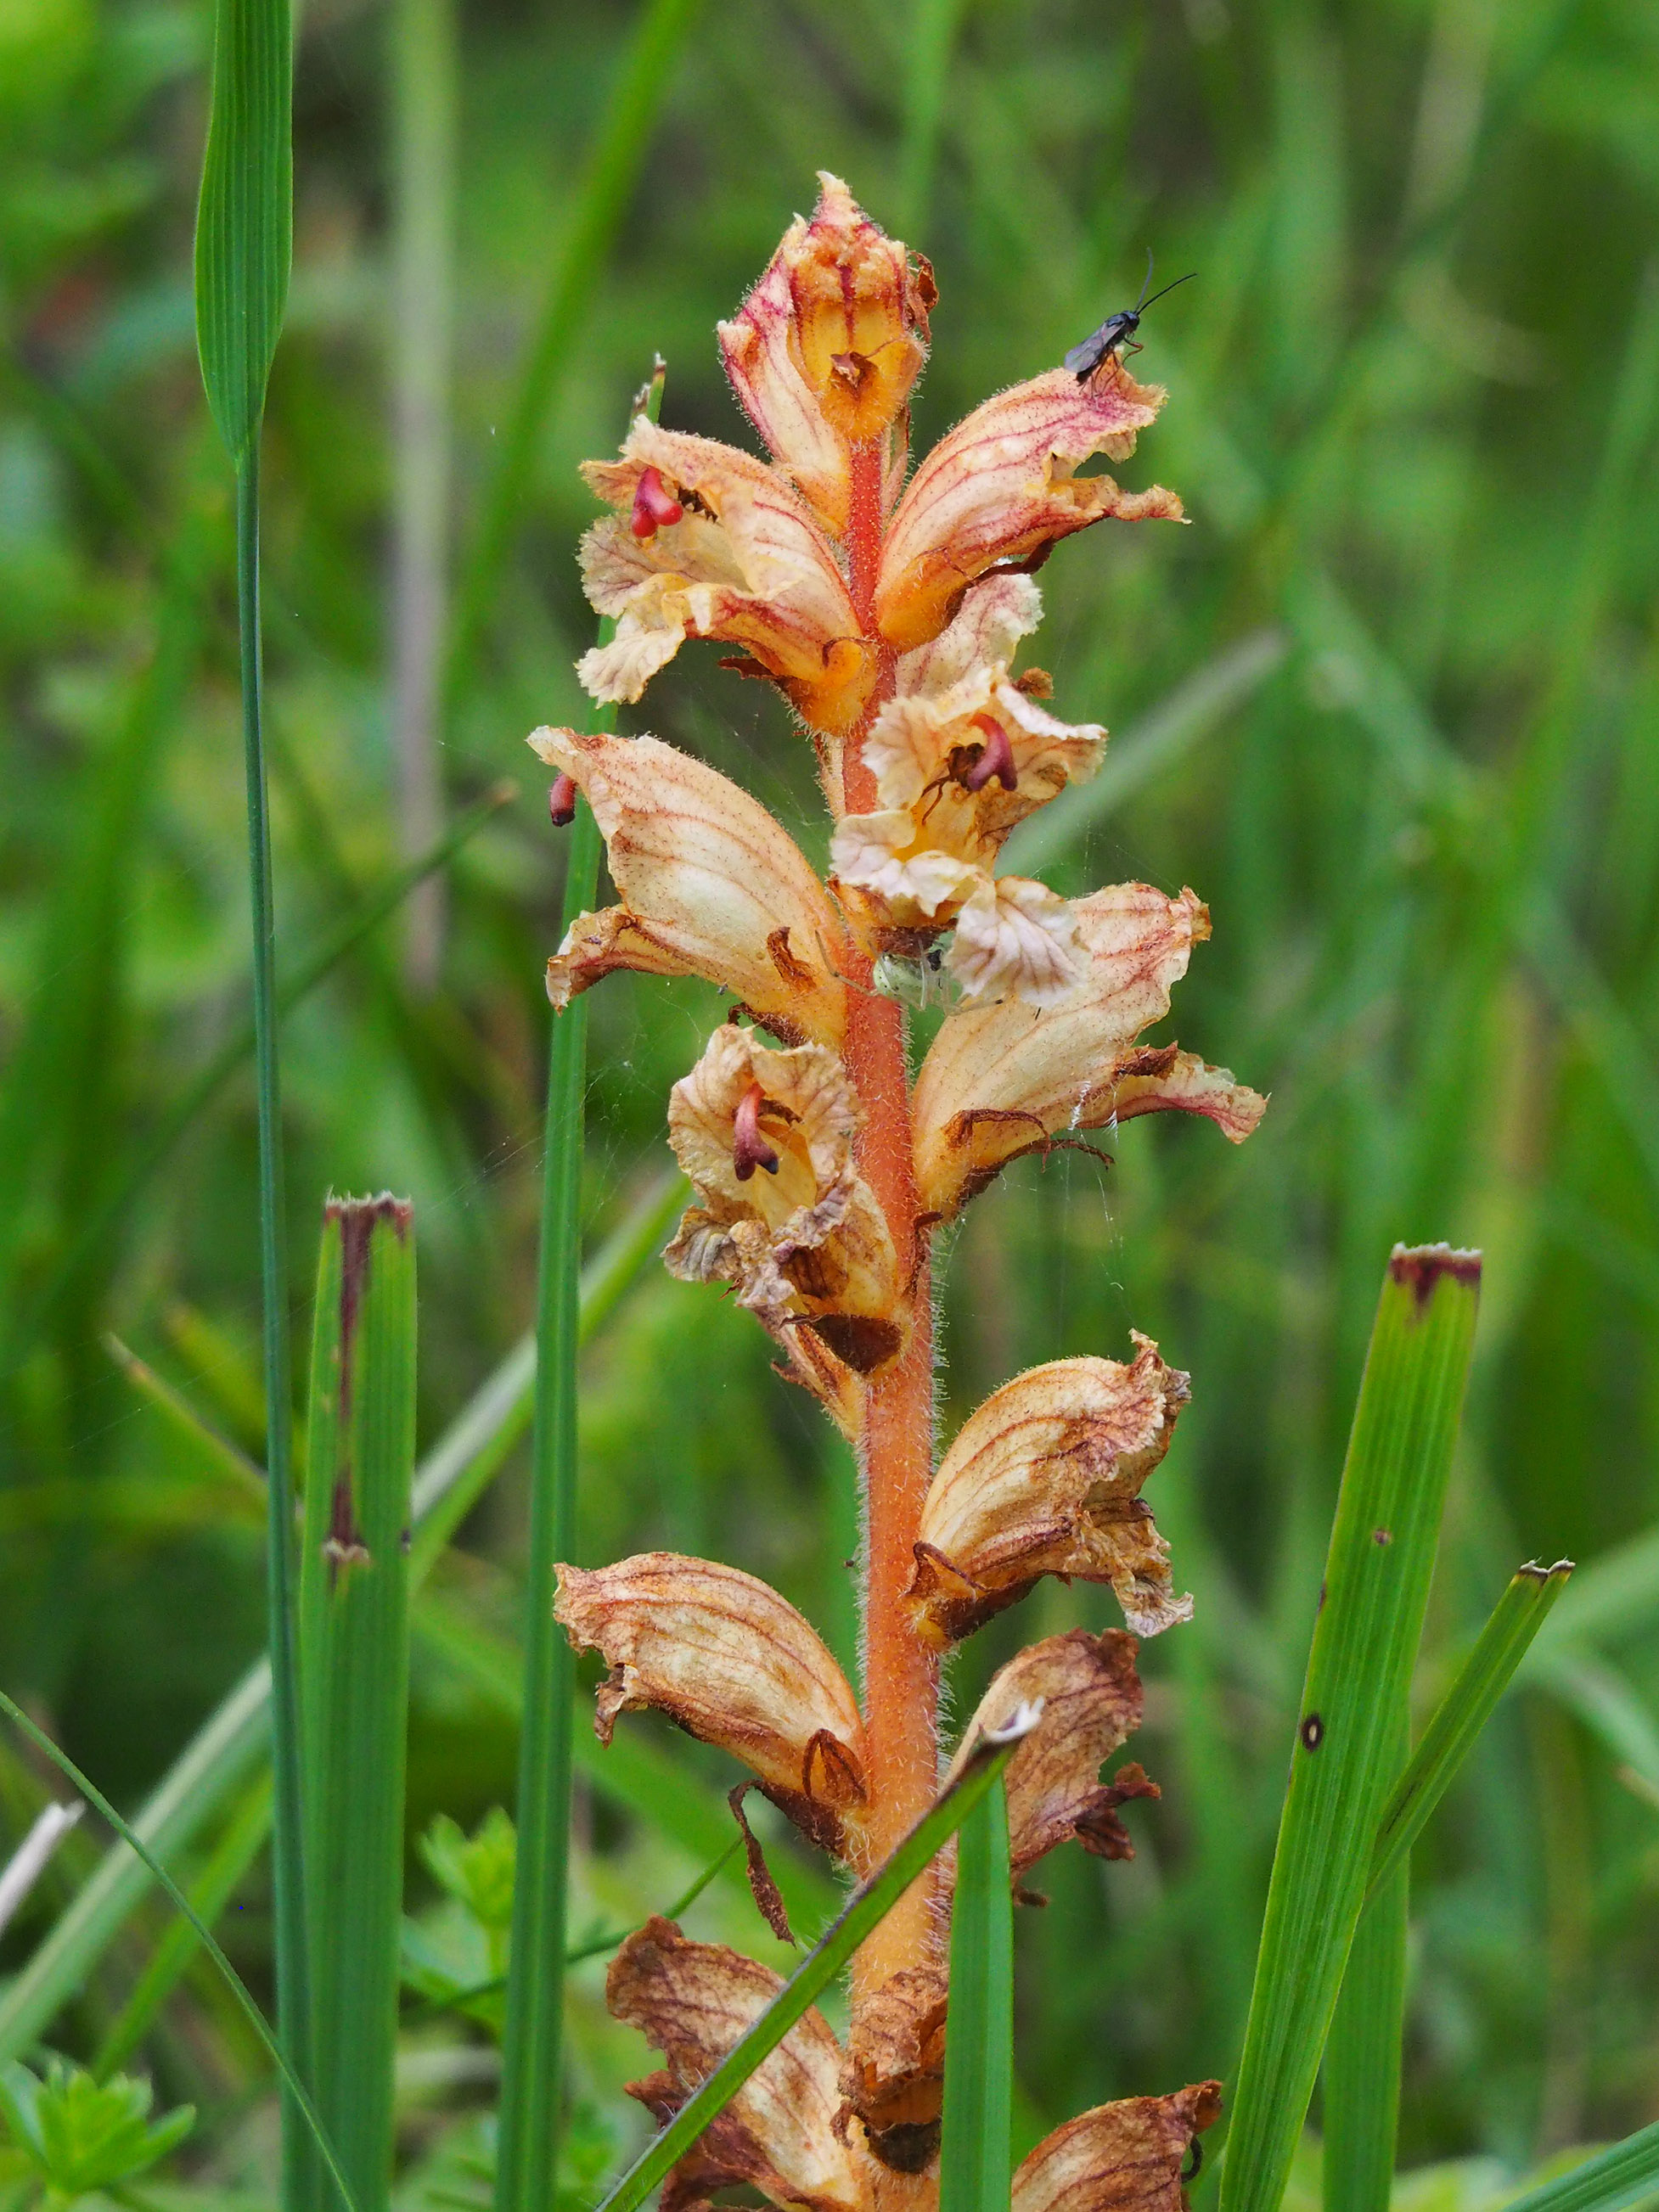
1016, 940
733, 1663
712, 885
746, 563
1002, 1080
1091, 1706
994, 615
1044, 1478
1127, 2157
766, 1139
693, 2002
1002, 487
885, 854
774, 393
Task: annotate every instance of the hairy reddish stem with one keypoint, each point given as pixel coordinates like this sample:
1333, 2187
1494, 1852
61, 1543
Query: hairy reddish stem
901, 1682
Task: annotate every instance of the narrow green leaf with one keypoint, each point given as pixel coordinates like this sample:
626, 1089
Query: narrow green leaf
1377, 1584
866, 1907
296, 2087
1464, 1712
354, 1668
230, 1861
1361, 2078
1625, 2175
245, 219
526, 2170
230, 1743
976, 2149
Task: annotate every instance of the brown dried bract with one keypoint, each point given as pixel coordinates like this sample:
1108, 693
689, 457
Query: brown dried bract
1044, 1478
724, 1656
1125, 2157
894, 2078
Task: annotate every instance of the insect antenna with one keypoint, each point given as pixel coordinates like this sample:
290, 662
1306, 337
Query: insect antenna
1142, 304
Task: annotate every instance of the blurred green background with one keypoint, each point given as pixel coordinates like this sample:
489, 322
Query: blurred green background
1391, 705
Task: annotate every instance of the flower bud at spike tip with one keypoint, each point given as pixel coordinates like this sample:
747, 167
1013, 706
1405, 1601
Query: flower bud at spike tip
562, 802
750, 1149
654, 505
996, 761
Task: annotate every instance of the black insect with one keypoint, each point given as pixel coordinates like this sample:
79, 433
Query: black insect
1118, 331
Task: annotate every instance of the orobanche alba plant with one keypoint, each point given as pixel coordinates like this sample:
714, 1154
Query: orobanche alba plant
887, 606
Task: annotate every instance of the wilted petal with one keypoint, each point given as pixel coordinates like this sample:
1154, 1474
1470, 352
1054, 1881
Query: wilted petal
693, 2002
712, 885
733, 1663
1092, 1704
994, 615
1002, 1080
894, 2078
766, 1139
1044, 1478
747, 562
1002, 487
1165, 1080
913, 884
1016, 939
1127, 2157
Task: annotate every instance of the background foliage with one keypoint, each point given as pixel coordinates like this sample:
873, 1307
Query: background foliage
1391, 704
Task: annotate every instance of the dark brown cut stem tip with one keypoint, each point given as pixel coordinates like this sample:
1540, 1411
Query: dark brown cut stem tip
1421, 1267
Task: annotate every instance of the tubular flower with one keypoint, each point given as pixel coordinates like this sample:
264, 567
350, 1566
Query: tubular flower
692, 2002
767, 1140
733, 1663
1045, 1479
1003, 1079
890, 616
711, 886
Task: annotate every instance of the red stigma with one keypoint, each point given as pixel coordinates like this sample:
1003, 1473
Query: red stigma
562, 802
996, 760
750, 1149
654, 505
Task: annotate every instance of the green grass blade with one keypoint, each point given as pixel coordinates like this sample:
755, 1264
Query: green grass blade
862, 1913
292, 2082
1377, 1584
354, 1668
976, 2149
243, 1840
230, 1743
528, 2159
1362, 2049
1625, 2175
613, 167
932, 34
1464, 1712
245, 219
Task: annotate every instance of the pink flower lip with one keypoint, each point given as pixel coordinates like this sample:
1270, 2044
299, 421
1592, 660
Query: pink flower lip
655, 506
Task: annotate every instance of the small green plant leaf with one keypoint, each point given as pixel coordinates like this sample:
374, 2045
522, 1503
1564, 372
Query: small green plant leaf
975, 2153
476, 1869
1347, 1749
1464, 1712
863, 1912
81, 2134
244, 220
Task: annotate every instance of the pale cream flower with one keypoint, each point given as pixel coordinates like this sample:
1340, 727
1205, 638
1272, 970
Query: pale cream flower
712, 885
744, 560
1016, 940
1044, 1478
733, 1663
1005, 1079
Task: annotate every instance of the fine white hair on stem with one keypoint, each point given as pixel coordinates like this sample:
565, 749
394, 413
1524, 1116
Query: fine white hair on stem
28, 1862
